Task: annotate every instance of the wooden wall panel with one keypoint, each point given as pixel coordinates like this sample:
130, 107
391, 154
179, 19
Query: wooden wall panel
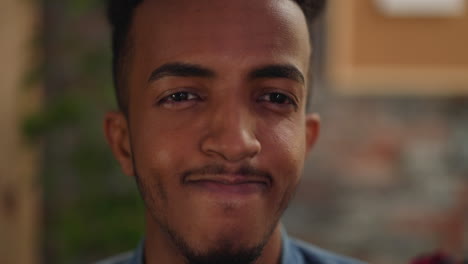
369, 52
19, 191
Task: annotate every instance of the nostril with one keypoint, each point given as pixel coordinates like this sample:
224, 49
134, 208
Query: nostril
231, 146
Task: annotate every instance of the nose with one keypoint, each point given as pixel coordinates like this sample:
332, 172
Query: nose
230, 134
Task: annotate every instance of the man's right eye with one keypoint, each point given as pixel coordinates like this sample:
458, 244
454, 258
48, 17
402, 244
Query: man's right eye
179, 97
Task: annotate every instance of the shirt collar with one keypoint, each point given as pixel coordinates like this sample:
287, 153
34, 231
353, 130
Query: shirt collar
138, 256
287, 255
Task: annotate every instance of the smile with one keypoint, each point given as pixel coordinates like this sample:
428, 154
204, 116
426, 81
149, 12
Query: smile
229, 184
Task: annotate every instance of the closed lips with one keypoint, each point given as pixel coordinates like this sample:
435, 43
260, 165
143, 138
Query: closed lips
229, 179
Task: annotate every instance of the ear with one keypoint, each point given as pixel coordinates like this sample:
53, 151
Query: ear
312, 130
118, 137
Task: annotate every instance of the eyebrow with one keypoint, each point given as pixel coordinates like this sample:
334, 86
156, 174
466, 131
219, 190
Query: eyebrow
180, 69
286, 71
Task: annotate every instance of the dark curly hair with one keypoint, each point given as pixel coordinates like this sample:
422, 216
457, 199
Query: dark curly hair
120, 14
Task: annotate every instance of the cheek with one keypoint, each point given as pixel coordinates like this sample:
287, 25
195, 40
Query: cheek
156, 161
162, 154
160, 140
285, 146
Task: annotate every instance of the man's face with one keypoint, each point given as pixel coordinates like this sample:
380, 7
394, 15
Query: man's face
217, 129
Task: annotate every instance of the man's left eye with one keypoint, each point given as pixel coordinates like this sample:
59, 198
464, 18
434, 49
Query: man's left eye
182, 96
277, 98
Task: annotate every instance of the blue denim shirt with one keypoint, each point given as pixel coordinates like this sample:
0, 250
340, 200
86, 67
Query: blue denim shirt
293, 252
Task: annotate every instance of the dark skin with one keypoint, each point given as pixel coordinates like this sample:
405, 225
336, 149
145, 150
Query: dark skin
217, 131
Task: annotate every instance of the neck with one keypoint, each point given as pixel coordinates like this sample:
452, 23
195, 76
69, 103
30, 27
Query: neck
159, 247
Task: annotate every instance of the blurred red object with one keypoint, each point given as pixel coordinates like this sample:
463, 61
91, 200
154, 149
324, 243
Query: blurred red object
437, 258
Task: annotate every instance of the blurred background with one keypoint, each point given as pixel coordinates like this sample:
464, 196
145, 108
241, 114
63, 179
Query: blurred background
388, 180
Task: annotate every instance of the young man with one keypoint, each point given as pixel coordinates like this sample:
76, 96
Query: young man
213, 125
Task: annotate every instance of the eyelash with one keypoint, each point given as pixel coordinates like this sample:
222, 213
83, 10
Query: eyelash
189, 96
288, 100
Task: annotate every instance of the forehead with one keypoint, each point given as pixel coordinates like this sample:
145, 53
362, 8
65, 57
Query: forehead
240, 31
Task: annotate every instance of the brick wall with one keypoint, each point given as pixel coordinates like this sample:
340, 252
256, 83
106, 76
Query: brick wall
388, 178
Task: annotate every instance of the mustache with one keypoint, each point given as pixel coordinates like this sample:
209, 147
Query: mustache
246, 170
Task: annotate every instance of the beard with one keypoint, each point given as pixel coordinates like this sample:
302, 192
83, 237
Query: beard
225, 251
222, 253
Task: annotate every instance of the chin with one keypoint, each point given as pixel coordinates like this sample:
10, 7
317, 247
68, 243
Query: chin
236, 237
227, 242
226, 248
237, 232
